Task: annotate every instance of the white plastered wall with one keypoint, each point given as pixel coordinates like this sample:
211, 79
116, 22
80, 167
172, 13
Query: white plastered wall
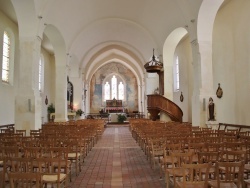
231, 62
49, 83
184, 53
8, 92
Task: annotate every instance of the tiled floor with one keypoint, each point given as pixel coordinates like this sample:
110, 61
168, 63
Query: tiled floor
117, 161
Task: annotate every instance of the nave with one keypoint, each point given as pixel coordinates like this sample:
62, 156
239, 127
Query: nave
117, 161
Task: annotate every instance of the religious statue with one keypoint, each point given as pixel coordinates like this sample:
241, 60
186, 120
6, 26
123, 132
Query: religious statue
211, 110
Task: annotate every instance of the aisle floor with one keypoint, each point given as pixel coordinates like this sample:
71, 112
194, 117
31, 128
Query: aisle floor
117, 161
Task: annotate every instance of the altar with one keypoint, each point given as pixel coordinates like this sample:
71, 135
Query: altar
114, 109
114, 106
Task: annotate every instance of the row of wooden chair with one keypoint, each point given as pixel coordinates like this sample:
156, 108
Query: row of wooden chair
163, 143
75, 138
227, 174
49, 170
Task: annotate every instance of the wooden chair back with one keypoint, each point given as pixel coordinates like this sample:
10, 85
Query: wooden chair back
193, 175
214, 147
46, 166
23, 132
11, 151
207, 156
233, 156
180, 158
32, 152
20, 164
228, 174
24, 180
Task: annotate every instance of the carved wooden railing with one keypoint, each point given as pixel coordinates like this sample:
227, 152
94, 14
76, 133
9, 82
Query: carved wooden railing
158, 103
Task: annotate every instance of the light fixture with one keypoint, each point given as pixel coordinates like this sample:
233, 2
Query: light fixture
153, 65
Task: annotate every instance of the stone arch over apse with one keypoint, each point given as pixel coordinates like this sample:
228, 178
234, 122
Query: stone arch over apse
168, 58
206, 17
128, 57
115, 53
104, 72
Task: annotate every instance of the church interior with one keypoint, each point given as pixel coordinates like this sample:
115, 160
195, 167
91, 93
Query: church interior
114, 72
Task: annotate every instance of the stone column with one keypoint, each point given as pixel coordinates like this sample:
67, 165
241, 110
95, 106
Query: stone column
28, 101
203, 82
168, 85
60, 89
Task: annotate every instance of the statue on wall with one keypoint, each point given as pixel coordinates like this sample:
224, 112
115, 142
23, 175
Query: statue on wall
70, 95
211, 110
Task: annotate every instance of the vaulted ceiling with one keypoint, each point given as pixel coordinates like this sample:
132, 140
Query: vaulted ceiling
88, 26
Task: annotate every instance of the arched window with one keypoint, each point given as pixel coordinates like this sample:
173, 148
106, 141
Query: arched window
111, 89
114, 87
121, 91
176, 74
41, 74
6, 57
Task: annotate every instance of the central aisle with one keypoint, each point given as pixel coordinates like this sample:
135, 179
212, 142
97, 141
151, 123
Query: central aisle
117, 161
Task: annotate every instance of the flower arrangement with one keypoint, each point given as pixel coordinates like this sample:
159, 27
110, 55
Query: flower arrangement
51, 108
79, 112
121, 118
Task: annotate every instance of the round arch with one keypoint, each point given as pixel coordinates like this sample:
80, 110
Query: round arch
203, 86
119, 54
204, 38
168, 58
26, 17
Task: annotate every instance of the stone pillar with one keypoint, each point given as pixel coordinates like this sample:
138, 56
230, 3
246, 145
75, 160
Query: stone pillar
61, 89
28, 101
141, 98
164, 117
168, 85
213, 124
203, 82
86, 97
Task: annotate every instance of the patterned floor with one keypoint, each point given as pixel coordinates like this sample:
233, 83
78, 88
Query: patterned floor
117, 161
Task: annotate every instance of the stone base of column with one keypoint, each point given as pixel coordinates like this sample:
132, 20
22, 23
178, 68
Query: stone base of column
213, 124
27, 113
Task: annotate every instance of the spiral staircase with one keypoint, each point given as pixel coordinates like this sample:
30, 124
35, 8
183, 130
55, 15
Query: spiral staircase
158, 103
